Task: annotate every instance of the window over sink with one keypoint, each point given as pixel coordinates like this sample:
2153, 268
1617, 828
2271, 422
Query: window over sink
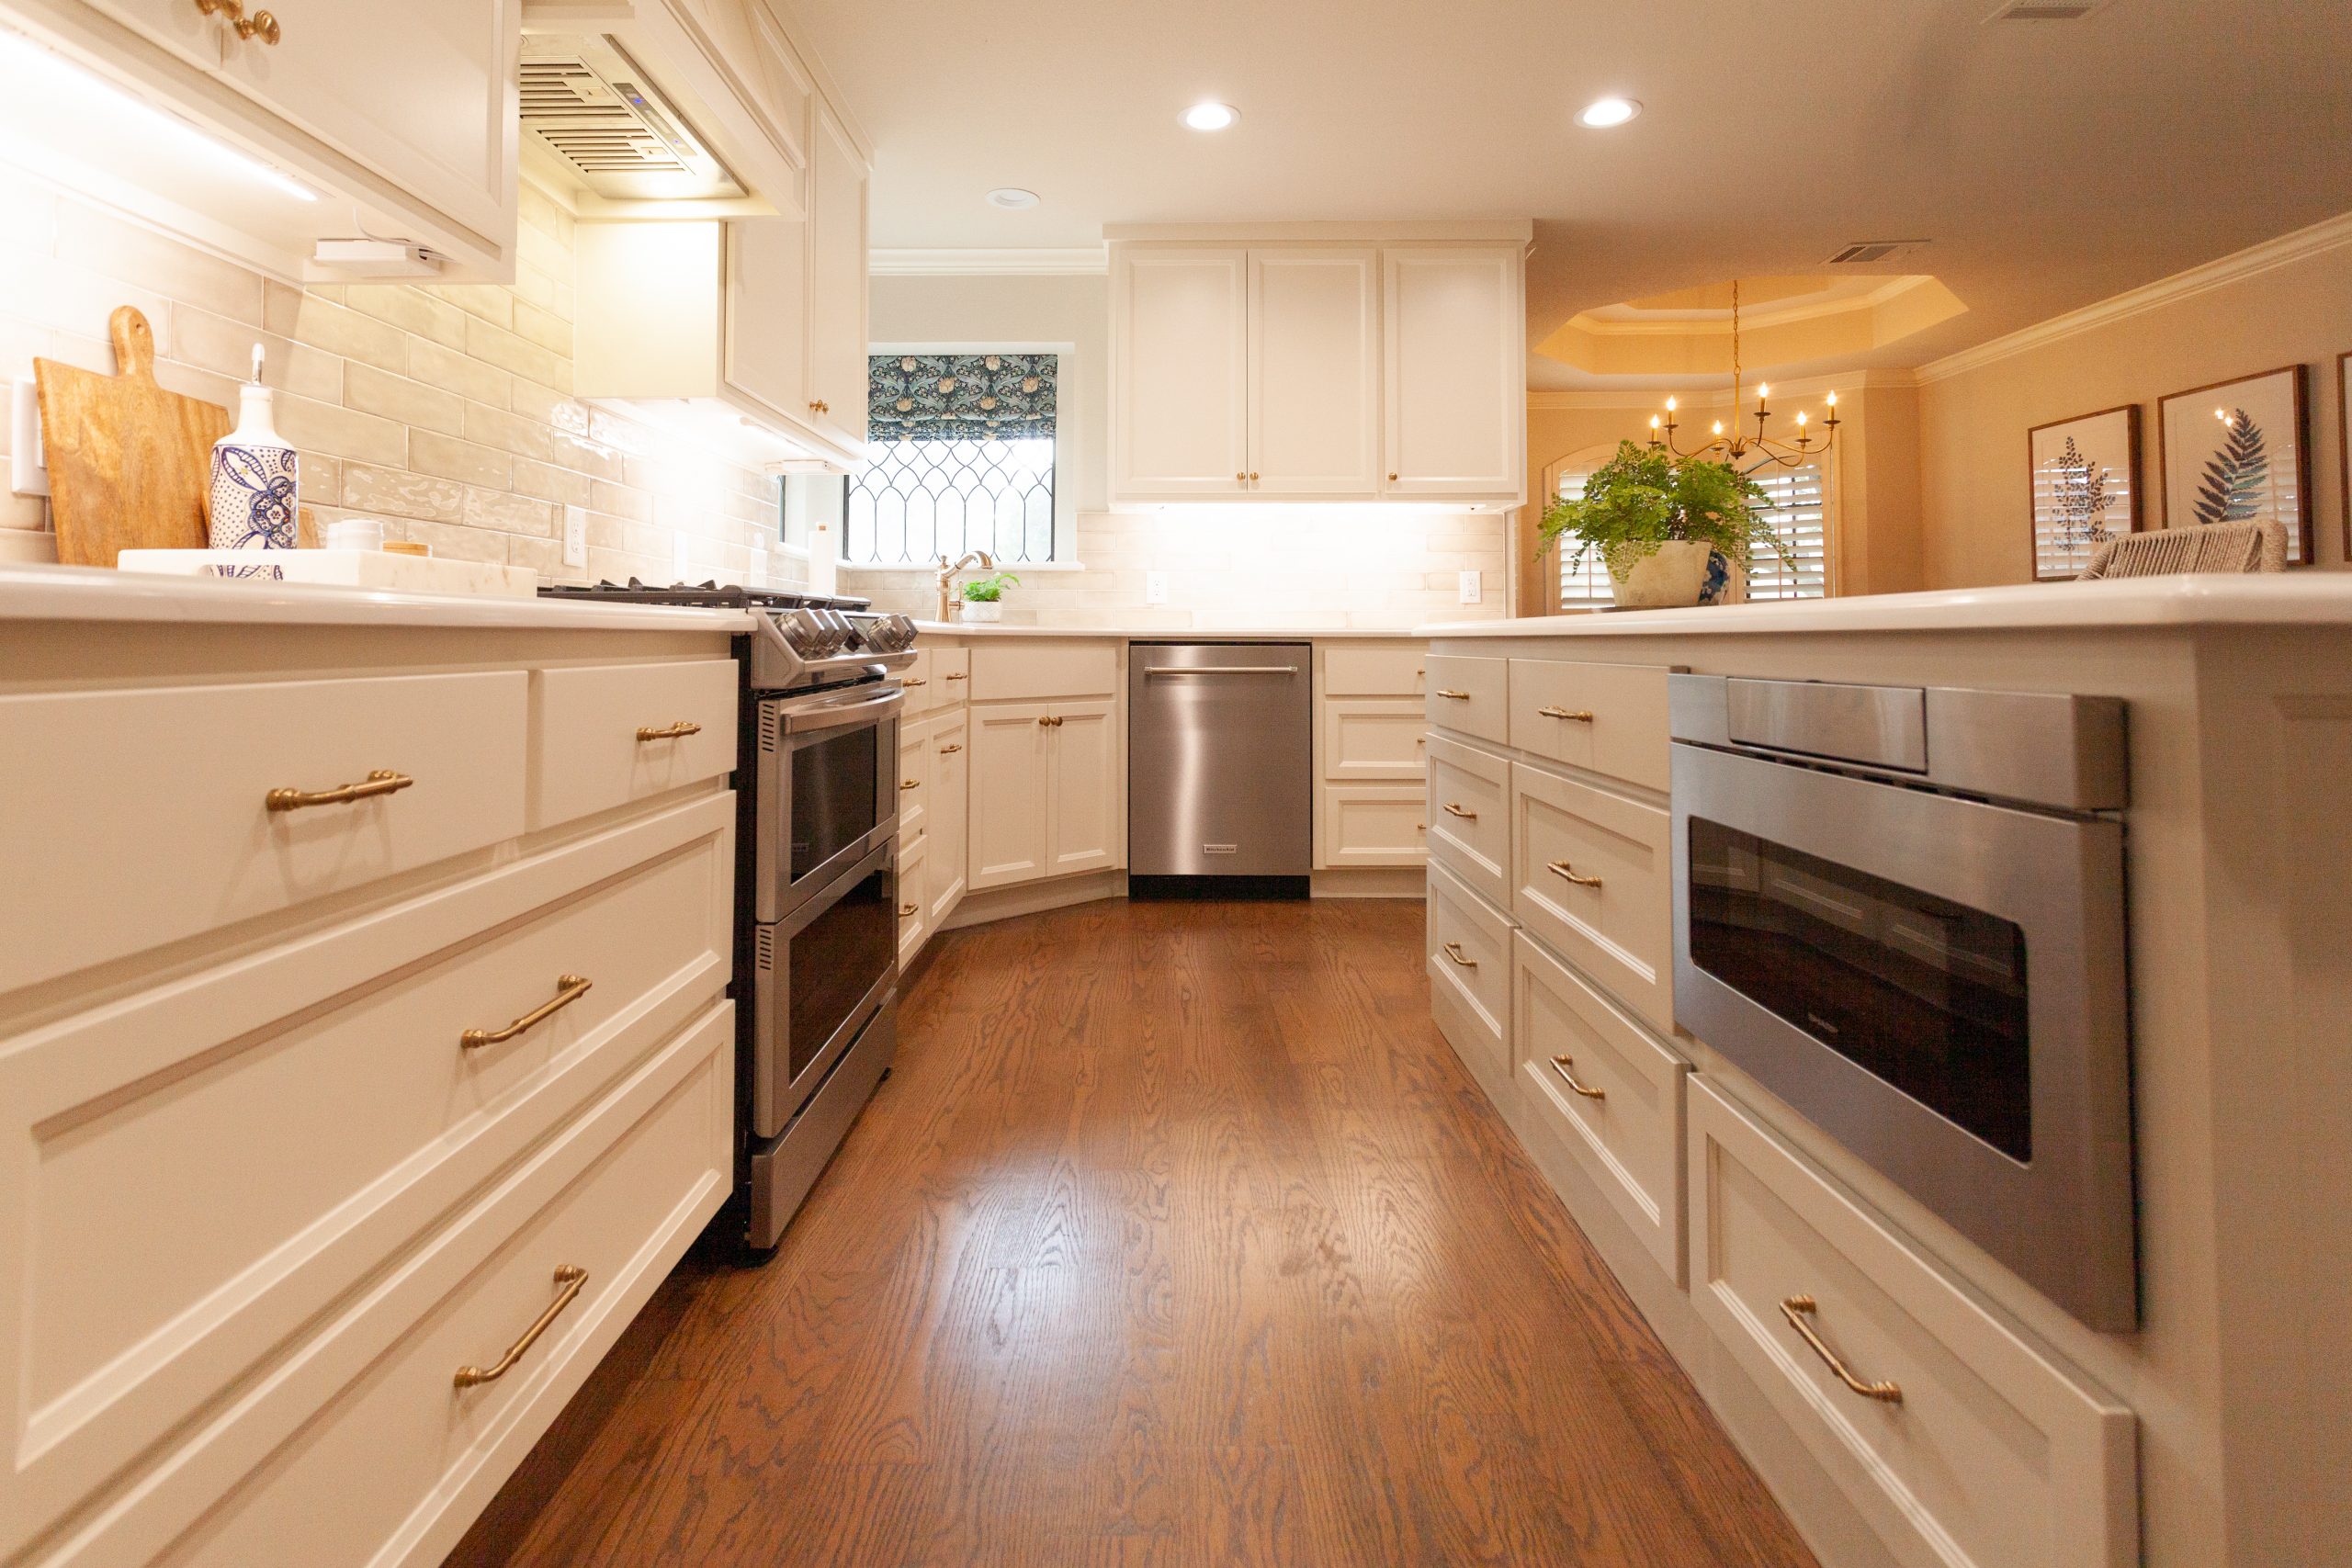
964, 457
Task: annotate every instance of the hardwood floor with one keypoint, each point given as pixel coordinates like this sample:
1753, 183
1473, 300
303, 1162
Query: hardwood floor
1179, 1235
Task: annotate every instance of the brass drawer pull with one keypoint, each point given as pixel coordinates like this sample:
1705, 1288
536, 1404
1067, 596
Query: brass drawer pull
677, 731
1454, 950
1565, 869
1565, 1066
949, 751
569, 1276
959, 677
1455, 696
1799, 1311
914, 681
1582, 715
1453, 810
570, 989
383, 781
234, 13
906, 910
909, 784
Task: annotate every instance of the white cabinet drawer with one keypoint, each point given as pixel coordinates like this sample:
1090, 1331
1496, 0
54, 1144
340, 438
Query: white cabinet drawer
605, 735
914, 778
140, 817
1470, 695
195, 1172
1470, 978
1995, 1455
1373, 737
920, 680
1375, 669
1043, 669
1591, 875
1469, 815
1609, 718
1371, 825
365, 1450
1613, 1093
951, 671
914, 895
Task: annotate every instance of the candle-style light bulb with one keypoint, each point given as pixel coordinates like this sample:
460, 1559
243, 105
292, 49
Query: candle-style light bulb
1762, 392
1719, 427
1670, 405
1654, 422
1833, 400
1800, 419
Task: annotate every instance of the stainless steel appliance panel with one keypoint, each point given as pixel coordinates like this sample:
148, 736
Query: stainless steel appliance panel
1220, 758
826, 790
817, 976
783, 1169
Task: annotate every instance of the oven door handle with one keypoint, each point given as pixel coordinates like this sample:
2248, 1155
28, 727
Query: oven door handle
837, 715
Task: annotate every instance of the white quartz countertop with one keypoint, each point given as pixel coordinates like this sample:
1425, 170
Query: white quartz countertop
1172, 634
2303, 598
95, 593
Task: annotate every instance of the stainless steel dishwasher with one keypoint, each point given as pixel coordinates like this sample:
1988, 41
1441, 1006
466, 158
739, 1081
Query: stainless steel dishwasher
1220, 770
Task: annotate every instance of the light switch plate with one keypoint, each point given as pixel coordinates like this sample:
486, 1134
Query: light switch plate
1470, 589
1155, 588
575, 535
27, 471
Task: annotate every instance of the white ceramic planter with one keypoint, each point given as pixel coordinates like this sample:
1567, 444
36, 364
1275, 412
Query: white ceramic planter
983, 611
1675, 576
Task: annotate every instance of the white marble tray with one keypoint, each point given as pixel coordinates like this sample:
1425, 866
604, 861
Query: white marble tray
345, 568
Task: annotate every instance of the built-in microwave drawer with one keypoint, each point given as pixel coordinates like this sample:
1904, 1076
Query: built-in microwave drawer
1469, 815
1591, 876
1956, 1437
1470, 978
1606, 718
1471, 695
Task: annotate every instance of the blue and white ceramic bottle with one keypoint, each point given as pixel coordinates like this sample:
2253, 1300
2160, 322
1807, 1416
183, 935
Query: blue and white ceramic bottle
255, 499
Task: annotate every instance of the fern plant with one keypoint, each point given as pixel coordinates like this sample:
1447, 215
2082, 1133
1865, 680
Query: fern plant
989, 590
1646, 496
2236, 476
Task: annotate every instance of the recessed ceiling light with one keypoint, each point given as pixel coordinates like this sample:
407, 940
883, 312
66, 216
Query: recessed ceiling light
1013, 198
1211, 116
1603, 113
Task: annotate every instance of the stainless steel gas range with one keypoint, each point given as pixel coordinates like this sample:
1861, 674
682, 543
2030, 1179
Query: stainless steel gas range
816, 894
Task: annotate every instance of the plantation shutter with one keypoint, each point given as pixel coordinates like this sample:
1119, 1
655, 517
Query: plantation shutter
1796, 506
1583, 586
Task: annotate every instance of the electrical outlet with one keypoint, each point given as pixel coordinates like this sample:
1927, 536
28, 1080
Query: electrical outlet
1470, 589
27, 470
1155, 588
575, 535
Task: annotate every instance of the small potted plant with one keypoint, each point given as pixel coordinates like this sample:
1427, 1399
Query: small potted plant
983, 596
1672, 531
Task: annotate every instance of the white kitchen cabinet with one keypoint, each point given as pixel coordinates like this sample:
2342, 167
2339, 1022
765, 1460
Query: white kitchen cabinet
951, 782
1454, 332
839, 179
1179, 354
1315, 374
914, 898
766, 314
1046, 797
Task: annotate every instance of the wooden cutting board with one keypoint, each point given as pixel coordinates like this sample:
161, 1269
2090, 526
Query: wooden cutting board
129, 463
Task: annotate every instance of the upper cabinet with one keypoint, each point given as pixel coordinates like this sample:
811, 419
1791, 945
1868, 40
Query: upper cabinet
1300, 369
408, 113
838, 178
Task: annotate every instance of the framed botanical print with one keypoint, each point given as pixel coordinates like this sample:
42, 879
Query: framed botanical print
2085, 488
2239, 452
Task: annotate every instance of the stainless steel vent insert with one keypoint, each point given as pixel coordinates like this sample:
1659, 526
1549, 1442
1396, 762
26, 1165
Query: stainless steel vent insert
587, 103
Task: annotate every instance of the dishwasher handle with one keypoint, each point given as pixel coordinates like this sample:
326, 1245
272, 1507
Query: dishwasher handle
1220, 670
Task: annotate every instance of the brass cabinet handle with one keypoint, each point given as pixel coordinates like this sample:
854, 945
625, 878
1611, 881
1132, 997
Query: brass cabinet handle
819, 405
1799, 1311
1454, 696
1452, 809
1241, 478
1050, 723
383, 781
959, 677
1581, 715
1565, 1068
1391, 479
949, 751
907, 910
1565, 869
677, 731
570, 989
909, 784
1454, 950
569, 1277
1253, 479
914, 681
260, 22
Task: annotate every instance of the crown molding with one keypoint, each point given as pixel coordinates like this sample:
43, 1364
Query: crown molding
2333, 234
1073, 262
1718, 323
1646, 400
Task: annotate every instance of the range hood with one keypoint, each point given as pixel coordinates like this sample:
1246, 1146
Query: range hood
588, 105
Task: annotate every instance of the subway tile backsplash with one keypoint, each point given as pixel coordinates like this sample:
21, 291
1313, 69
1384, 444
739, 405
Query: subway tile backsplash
444, 411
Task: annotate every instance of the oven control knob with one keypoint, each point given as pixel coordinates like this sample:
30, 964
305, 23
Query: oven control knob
892, 634
802, 634
905, 626
837, 630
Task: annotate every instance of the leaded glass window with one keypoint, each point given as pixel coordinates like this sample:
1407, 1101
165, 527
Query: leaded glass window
963, 459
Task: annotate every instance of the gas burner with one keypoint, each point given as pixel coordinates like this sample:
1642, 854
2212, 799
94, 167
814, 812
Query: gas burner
707, 595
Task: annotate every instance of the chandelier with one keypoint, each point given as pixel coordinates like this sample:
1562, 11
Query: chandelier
1738, 448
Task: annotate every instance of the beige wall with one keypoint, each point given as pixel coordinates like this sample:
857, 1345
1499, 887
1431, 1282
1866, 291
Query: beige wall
447, 411
1973, 425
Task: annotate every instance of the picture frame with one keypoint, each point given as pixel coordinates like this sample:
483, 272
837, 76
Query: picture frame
2210, 470
2082, 488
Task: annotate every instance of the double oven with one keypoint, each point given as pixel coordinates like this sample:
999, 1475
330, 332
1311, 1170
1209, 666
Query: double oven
1901, 910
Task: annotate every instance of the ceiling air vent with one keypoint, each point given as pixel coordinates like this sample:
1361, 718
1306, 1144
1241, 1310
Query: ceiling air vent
1874, 251
588, 103
2047, 10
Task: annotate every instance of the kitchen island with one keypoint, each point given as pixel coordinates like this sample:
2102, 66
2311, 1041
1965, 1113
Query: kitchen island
1909, 1396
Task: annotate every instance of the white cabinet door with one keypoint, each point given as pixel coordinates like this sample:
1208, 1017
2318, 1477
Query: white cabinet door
177, 25
914, 898
837, 264
1010, 779
951, 794
1088, 829
1315, 373
1455, 372
767, 313
1180, 332
422, 94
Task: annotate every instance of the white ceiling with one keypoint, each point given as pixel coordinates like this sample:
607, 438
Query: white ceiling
2051, 163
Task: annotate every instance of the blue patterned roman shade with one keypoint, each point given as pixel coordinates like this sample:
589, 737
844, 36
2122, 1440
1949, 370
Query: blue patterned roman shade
960, 397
